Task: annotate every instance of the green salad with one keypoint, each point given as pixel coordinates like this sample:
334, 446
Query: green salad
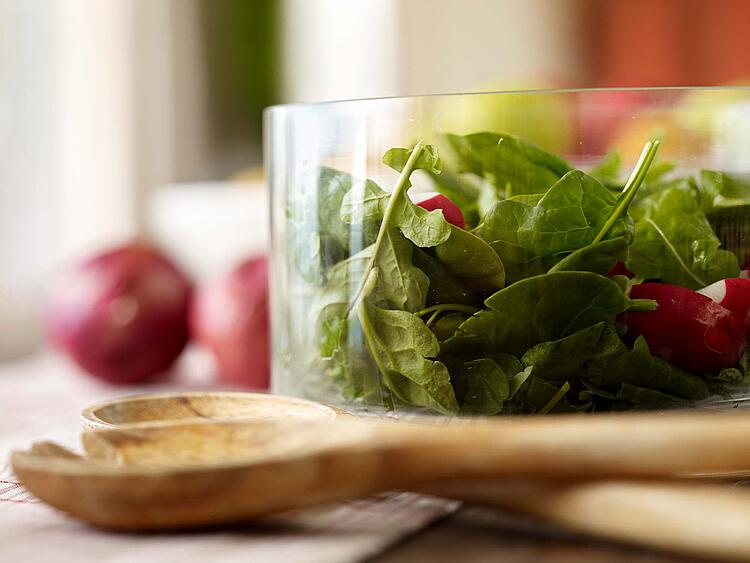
526, 286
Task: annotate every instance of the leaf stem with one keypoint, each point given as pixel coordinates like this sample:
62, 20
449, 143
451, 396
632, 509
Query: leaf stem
555, 399
399, 191
432, 318
368, 332
447, 307
631, 187
643, 305
673, 251
365, 288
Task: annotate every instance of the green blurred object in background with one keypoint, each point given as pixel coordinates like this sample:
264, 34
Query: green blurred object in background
546, 120
241, 63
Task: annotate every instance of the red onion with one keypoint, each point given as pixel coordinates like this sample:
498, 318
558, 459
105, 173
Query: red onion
121, 315
230, 317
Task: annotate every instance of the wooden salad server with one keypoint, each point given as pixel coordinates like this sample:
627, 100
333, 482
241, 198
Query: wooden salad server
196, 471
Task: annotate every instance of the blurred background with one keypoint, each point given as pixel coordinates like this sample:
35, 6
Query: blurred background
142, 118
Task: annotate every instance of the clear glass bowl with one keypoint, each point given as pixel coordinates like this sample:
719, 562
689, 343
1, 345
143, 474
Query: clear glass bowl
545, 301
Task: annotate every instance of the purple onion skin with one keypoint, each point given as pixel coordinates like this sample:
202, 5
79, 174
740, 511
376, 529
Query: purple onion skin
230, 317
122, 315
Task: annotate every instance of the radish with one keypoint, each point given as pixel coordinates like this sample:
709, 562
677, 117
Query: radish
732, 294
432, 201
688, 329
620, 269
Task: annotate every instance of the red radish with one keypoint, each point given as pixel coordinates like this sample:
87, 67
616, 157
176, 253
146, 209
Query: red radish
687, 329
230, 317
451, 211
732, 294
620, 269
121, 315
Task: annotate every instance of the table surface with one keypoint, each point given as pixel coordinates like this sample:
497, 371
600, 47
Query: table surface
40, 399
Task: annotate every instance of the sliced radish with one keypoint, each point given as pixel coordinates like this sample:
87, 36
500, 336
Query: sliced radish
688, 329
432, 201
732, 294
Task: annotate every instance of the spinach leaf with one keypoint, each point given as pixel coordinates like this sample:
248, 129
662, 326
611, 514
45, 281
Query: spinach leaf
538, 309
510, 165
424, 228
346, 361
568, 357
415, 223
608, 171
401, 346
730, 384
365, 201
648, 195
428, 159
598, 258
728, 201
509, 364
639, 368
568, 217
732, 228
645, 398
541, 397
516, 382
465, 255
343, 282
397, 283
444, 286
376, 290
486, 388
520, 263
674, 242
528, 199
725, 190
472, 260
609, 168
657, 172
317, 236
446, 326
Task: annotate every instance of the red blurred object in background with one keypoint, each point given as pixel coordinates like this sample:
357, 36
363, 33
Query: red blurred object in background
604, 113
121, 315
641, 43
230, 317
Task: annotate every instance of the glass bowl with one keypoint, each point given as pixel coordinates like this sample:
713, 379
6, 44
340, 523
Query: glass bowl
512, 252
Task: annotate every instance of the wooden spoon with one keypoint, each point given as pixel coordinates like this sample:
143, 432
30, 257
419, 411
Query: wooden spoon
152, 476
156, 409
283, 464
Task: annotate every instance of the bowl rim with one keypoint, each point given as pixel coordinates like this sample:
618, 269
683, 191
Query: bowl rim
278, 108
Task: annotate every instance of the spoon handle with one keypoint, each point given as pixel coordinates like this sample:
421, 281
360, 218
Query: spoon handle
710, 521
644, 445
